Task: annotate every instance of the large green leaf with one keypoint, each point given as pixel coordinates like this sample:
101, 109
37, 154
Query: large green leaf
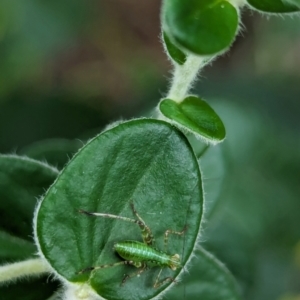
212, 165
56, 152
275, 6
22, 181
207, 278
214, 169
15, 248
145, 161
293, 2
203, 27
196, 116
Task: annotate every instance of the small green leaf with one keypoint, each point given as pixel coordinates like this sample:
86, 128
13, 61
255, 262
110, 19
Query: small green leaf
22, 181
275, 6
202, 27
207, 279
196, 116
147, 162
174, 52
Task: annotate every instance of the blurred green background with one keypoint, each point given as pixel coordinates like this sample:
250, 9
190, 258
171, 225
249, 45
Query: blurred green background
68, 68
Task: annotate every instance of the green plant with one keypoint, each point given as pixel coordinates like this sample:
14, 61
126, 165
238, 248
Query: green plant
154, 162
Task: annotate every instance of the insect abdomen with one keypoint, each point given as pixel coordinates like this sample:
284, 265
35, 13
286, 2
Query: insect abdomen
140, 252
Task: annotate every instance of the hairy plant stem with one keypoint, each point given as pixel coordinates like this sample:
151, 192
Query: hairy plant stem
30, 267
185, 75
81, 291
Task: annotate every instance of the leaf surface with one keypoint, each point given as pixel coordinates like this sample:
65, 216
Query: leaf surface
194, 115
207, 279
57, 152
147, 162
22, 181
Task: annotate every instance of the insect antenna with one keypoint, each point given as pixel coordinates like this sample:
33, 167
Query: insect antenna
146, 232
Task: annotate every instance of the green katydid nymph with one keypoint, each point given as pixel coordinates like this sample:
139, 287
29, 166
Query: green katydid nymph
142, 255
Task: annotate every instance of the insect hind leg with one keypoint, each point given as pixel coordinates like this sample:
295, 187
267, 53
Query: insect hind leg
166, 238
158, 283
137, 273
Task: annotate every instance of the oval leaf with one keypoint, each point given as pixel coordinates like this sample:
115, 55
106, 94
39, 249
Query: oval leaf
56, 152
207, 279
147, 162
275, 6
13, 248
22, 181
293, 2
174, 52
196, 116
203, 27
213, 166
